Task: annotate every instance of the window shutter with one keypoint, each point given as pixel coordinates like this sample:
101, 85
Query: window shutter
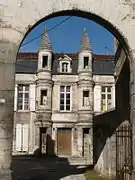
18, 137
32, 99
97, 98
25, 137
15, 98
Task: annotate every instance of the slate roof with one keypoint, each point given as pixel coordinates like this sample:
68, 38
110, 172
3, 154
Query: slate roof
27, 63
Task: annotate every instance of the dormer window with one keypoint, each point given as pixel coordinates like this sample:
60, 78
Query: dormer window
44, 61
64, 67
65, 64
86, 61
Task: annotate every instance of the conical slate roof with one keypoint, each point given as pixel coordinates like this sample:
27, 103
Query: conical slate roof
85, 43
45, 43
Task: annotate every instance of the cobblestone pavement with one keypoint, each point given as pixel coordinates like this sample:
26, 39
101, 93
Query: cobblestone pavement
33, 168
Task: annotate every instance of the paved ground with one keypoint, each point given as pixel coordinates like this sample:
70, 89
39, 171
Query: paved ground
33, 168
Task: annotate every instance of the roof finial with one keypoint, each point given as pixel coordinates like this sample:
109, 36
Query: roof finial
45, 42
85, 43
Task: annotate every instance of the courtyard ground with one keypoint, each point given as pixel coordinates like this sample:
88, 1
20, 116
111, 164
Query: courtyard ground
43, 168
49, 168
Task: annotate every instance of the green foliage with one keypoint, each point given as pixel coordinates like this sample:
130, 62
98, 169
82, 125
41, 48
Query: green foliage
92, 175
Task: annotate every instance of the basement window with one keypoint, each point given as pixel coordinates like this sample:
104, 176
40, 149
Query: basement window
44, 61
43, 97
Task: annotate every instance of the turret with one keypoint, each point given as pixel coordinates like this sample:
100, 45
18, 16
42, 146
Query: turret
45, 53
44, 80
85, 80
85, 57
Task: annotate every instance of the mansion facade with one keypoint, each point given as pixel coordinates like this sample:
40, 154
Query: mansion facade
57, 96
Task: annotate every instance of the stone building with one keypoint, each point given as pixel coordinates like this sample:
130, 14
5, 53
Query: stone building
56, 98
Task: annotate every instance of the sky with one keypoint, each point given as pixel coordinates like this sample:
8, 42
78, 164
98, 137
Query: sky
66, 36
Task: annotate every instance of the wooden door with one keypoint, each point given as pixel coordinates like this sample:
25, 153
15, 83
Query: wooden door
64, 141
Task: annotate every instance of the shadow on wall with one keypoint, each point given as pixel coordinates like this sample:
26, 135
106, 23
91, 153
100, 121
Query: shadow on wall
49, 147
105, 125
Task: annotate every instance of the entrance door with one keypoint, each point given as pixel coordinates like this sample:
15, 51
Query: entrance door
64, 141
43, 140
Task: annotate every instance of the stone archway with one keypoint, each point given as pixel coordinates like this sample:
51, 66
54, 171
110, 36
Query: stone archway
19, 17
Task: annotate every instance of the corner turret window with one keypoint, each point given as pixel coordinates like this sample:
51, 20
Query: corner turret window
44, 61
86, 98
64, 67
86, 61
43, 97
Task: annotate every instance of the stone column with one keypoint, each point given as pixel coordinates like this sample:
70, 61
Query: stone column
7, 83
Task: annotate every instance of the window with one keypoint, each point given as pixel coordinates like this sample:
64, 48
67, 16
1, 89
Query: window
44, 97
65, 98
22, 137
23, 97
44, 61
86, 61
64, 67
85, 98
106, 98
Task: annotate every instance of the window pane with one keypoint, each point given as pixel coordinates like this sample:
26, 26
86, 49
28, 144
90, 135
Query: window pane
26, 107
61, 101
19, 106
103, 105
68, 101
20, 95
108, 89
61, 107
86, 61
67, 96
68, 89
26, 88
20, 88
103, 96
62, 96
67, 107
44, 61
62, 88
85, 93
103, 88
109, 96
26, 95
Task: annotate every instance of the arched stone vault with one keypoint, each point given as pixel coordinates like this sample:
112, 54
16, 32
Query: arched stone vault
18, 17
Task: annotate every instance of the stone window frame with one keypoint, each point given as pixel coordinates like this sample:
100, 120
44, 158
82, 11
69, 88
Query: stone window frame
105, 105
65, 93
25, 90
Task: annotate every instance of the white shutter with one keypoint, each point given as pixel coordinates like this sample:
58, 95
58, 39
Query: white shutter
97, 98
18, 137
32, 95
25, 137
15, 98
